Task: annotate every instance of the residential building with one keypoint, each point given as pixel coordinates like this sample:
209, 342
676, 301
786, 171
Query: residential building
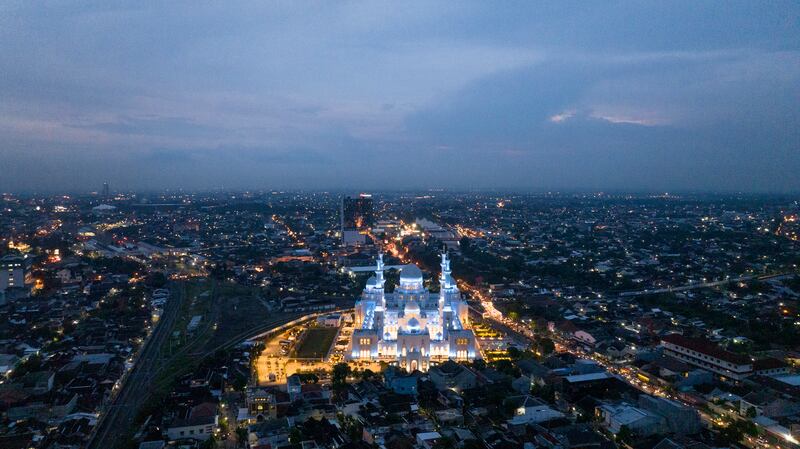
12, 272
452, 376
200, 423
707, 355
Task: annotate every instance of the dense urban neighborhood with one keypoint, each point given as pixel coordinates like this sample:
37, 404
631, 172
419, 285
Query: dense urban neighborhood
395, 320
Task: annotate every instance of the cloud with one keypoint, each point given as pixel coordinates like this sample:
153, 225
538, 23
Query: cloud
642, 120
154, 126
530, 95
626, 124
563, 116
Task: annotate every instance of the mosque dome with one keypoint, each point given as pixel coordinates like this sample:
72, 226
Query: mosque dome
413, 324
411, 309
410, 273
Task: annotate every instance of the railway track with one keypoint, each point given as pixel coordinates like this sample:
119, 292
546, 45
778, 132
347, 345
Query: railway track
121, 413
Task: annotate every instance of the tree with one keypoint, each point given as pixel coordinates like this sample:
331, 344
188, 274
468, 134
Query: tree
156, 279
295, 436
210, 443
31, 364
427, 394
545, 346
339, 378
751, 412
241, 434
729, 435
735, 431
239, 383
545, 392
625, 435
351, 426
507, 367
471, 444
749, 428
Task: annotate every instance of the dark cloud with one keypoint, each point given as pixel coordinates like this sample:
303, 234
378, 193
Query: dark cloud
545, 95
156, 126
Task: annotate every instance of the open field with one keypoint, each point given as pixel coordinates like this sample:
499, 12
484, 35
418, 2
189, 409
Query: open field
316, 343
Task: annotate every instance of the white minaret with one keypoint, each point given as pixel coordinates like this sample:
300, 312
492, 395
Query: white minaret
379, 271
380, 280
443, 280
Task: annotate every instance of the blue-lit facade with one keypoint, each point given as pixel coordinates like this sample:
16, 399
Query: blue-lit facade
412, 327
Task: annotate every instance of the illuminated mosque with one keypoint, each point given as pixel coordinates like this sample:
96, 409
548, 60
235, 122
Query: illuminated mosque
412, 327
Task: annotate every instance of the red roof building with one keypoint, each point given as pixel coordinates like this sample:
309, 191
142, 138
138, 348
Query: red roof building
707, 355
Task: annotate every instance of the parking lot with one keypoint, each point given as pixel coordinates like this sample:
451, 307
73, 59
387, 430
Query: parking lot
278, 360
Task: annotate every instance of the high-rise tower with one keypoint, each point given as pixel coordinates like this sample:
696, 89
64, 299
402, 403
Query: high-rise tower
356, 218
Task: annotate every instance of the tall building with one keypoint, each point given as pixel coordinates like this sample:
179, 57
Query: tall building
412, 327
356, 219
105, 190
12, 272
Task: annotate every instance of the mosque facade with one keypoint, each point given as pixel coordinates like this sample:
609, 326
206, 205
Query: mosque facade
412, 327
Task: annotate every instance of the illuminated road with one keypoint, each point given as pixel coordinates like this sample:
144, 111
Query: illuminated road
628, 375
622, 372
697, 286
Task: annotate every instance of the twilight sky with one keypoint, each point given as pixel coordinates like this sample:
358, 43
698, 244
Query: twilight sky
655, 96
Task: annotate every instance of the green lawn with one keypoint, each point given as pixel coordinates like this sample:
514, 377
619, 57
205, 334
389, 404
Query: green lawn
316, 342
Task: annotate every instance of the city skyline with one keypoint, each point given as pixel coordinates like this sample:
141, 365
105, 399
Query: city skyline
656, 97
243, 321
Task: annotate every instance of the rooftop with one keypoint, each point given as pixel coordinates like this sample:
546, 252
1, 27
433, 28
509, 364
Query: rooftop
411, 273
706, 347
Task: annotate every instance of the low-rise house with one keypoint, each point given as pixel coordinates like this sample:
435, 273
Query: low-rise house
426, 440
641, 422
680, 419
200, 423
273, 433
7, 363
678, 442
767, 403
449, 417
39, 382
452, 376
529, 410
576, 436
533, 370
261, 403
294, 386
400, 382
